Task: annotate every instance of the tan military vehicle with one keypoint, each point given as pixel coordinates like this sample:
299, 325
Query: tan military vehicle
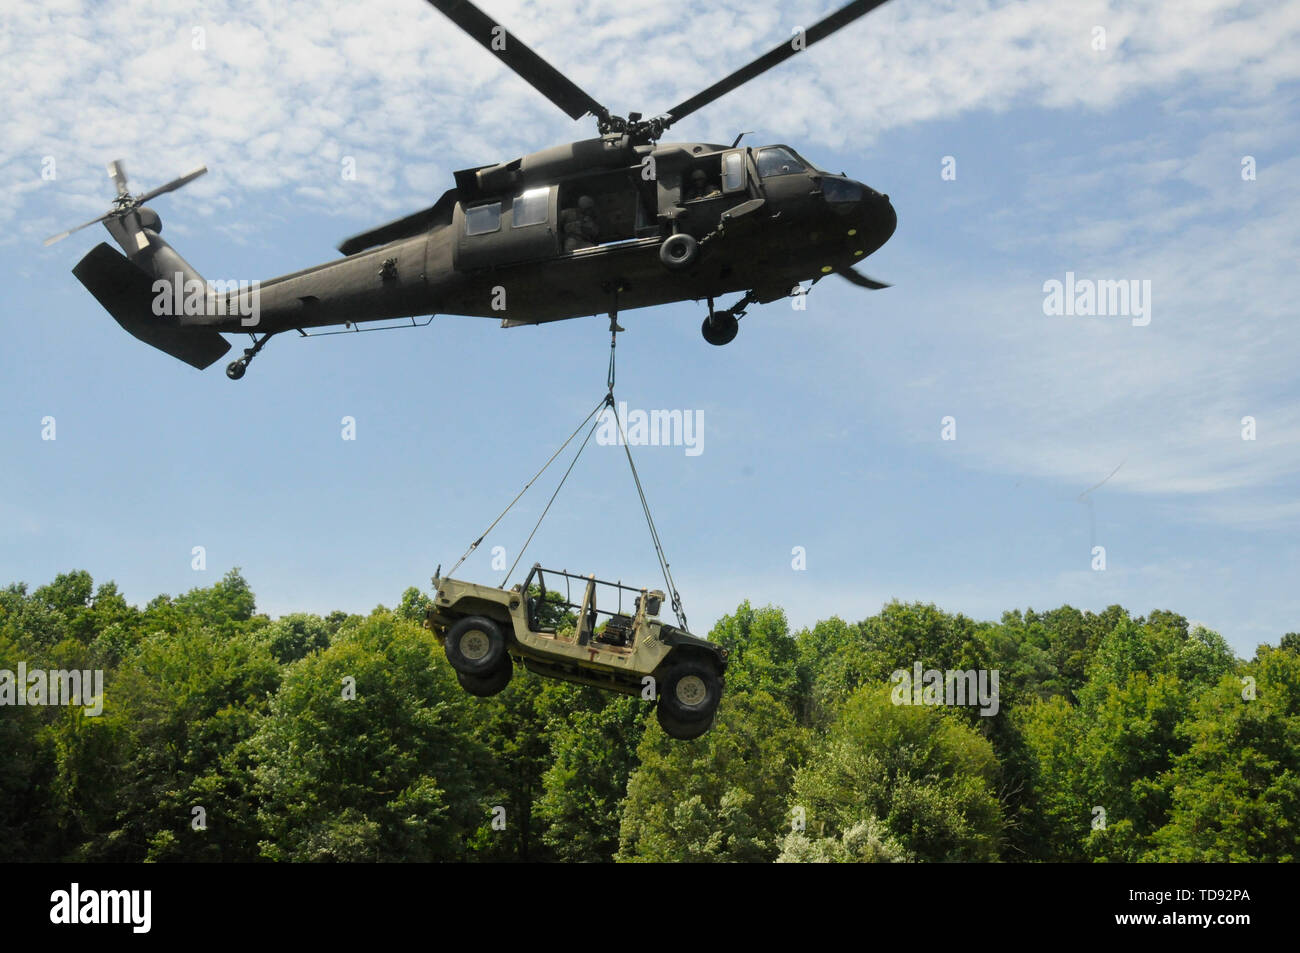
485, 631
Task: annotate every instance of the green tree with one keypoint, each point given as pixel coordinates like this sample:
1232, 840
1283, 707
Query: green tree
366, 753
762, 655
925, 776
592, 755
720, 797
1235, 791
178, 714
414, 605
295, 636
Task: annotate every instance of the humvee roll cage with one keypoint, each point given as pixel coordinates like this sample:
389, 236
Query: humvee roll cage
649, 599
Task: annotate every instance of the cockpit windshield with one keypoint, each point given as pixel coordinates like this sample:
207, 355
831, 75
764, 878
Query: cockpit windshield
777, 160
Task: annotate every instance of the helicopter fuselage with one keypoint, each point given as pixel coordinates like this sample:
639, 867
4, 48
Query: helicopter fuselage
764, 220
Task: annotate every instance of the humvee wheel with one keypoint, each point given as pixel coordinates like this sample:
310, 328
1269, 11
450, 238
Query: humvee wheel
690, 691
681, 730
475, 646
491, 685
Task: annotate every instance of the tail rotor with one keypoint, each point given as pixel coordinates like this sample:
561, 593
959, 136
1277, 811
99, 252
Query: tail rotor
126, 203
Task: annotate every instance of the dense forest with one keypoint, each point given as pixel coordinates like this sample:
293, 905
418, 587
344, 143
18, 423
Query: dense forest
226, 735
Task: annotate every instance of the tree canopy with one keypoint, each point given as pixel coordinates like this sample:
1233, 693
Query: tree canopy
219, 734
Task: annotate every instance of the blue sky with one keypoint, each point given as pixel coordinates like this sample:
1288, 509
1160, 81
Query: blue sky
822, 428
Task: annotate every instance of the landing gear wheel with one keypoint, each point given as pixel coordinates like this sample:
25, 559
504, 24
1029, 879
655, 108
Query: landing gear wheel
720, 328
491, 685
681, 730
679, 251
689, 692
475, 646
235, 369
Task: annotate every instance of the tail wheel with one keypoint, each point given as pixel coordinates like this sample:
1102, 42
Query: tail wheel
689, 691
476, 646
491, 685
679, 251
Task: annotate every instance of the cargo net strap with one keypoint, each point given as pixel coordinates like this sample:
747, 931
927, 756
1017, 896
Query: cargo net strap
474, 545
654, 533
572, 464
606, 401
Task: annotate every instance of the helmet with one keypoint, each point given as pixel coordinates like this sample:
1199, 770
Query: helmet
586, 203
699, 175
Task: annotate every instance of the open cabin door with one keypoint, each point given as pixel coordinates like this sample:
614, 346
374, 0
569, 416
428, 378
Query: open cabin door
735, 172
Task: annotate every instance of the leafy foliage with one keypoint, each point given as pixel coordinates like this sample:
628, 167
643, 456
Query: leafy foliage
226, 735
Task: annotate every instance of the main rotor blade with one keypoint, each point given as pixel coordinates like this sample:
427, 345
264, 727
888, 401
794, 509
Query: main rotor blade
862, 281
822, 29
173, 185
512, 51
117, 172
62, 235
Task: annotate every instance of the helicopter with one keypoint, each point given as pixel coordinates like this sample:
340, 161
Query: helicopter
620, 221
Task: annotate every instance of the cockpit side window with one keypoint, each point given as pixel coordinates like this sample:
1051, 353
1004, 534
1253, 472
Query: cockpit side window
777, 160
482, 219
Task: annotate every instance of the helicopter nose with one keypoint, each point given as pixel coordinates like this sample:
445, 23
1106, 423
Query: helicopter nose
882, 215
878, 218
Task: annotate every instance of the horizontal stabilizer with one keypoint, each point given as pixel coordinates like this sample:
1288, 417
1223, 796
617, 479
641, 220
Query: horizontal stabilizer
127, 294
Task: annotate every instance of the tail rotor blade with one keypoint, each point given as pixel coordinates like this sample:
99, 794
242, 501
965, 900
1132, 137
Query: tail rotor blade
117, 172
62, 235
124, 203
173, 185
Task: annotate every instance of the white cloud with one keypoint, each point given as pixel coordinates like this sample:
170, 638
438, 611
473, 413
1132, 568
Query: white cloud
284, 90
284, 83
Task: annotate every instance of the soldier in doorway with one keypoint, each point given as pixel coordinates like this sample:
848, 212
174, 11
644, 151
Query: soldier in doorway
699, 187
578, 225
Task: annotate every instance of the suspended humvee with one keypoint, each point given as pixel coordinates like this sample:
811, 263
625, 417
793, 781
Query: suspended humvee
487, 630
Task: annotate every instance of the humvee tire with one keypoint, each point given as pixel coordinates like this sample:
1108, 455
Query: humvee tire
491, 685
681, 730
475, 646
690, 690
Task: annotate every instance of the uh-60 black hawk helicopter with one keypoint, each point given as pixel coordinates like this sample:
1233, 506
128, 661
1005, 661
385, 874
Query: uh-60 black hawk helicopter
617, 222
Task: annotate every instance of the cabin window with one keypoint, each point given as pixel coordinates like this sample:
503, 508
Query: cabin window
733, 172
777, 161
483, 219
532, 207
